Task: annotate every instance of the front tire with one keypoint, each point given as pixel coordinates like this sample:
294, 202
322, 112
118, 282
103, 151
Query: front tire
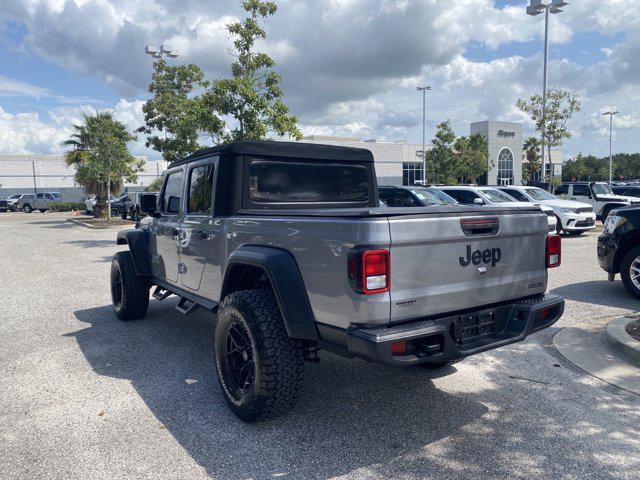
630, 271
259, 366
129, 291
27, 208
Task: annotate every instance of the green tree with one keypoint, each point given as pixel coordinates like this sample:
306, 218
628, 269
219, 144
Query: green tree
472, 155
177, 115
441, 162
98, 151
252, 96
560, 107
155, 185
531, 169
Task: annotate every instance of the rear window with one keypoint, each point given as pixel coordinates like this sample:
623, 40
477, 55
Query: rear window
291, 182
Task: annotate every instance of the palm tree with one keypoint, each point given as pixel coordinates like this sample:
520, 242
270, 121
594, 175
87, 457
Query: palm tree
97, 150
531, 148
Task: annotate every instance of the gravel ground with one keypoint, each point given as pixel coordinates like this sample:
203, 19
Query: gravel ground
83, 395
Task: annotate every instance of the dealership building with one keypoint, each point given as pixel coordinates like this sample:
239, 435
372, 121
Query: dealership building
400, 163
397, 163
50, 173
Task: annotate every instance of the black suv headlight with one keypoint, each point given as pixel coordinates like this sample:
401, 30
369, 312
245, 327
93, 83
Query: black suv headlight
612, 222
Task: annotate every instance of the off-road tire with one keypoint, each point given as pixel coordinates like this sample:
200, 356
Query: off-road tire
130, 297
625, 270
26, 208
278, 360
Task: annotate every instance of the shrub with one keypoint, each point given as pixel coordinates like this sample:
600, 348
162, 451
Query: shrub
67, 206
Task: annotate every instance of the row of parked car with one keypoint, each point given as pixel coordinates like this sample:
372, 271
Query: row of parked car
575, 214
125, 206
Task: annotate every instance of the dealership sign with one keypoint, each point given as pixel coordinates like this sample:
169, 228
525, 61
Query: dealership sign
506, 134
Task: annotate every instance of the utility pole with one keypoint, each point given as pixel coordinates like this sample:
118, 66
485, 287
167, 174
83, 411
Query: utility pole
536, 7
424, 129
611, 113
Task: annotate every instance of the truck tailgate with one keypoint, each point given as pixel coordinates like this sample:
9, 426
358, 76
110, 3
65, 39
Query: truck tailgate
438, 266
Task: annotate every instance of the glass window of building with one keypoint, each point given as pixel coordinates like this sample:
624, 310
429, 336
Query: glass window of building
505, 167
412, 172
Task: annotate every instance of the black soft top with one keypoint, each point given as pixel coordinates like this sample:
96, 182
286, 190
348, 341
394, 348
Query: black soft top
294, 150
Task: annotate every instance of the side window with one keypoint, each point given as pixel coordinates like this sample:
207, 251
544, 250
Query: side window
463, 196
402, 198
201, 189
562, 190
386, 196
581, 190
40, 195
171, 196
518, 195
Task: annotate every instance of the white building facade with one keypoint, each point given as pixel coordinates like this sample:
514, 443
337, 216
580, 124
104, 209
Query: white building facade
505, 151
50, 173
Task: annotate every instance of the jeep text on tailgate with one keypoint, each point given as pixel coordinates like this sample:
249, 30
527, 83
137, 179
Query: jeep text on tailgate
287, 244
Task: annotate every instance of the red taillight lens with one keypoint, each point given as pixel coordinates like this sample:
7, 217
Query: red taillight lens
399, 348
554, 251
369, 271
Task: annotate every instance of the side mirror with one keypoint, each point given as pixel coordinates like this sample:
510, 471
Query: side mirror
478, 201
148, 204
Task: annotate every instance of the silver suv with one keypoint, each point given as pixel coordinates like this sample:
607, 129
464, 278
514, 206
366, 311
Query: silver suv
287, 244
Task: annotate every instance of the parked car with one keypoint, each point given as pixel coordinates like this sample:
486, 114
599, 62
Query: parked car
480, 195
90, 202
597, 194
287, 243
4, 205
12, 201
572, 217
140, 200
619, 247
120, 205
627, 190
413, 196
40, 201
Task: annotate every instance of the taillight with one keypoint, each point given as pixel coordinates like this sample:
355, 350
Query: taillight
369, 271
554, 251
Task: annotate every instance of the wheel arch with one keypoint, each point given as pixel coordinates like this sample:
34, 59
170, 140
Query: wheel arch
624, 247
138, 243
249, 263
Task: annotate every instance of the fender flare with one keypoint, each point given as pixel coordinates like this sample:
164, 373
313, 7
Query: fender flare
283, 273
138, 242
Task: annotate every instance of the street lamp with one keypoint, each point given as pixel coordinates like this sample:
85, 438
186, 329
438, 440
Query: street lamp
536, 7
424, 128
611, 113
161, 52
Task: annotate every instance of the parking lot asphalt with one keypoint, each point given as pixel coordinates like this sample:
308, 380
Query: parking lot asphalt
83, 395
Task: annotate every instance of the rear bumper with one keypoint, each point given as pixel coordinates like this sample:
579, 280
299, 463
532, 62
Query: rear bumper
449, 338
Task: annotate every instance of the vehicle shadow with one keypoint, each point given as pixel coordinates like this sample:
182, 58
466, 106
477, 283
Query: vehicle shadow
351, 414
86, 243
598, 292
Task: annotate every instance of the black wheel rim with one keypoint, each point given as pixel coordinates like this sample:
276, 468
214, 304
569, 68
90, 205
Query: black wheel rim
238, 365
116, 288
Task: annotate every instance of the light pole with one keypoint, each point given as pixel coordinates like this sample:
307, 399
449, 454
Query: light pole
536, 7
611, 113
424, 129
161, 52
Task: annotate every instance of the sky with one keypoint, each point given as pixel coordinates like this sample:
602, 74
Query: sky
349, 67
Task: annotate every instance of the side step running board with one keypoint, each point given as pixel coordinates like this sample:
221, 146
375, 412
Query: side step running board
161, 293
186, 306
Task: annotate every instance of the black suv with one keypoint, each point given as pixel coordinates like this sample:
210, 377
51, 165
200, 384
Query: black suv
619, 247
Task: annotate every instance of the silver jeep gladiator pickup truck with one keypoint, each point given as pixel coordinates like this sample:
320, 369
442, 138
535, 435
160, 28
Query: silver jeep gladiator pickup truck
286, 242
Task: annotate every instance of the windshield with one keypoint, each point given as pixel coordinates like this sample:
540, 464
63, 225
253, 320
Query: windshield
496, 196
432, 196
55, 195
539, 194
601, 189
14, 196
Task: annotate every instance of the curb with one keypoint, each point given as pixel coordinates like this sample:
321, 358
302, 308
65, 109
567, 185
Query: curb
78, 221
617, 339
